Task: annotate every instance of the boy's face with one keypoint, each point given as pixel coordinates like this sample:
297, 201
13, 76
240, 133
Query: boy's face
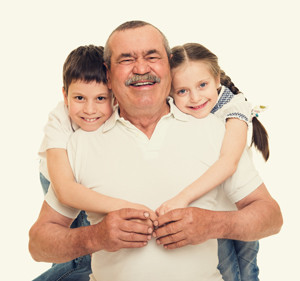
89, 104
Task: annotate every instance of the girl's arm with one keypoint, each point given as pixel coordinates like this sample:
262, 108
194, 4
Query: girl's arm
233, 145
73, 194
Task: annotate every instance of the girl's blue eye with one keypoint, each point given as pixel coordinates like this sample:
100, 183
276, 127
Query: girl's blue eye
181, 92
80, 98
202, 85
101, 98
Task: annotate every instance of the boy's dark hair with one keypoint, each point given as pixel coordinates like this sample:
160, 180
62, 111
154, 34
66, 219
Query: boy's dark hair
86, 64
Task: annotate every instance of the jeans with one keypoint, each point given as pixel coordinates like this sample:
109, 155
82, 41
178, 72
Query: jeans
238, 260
78, 269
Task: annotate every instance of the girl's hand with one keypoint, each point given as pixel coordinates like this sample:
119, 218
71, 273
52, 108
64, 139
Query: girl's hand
176, 202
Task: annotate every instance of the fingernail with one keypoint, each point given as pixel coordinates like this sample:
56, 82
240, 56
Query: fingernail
146, 215
149, 237
150, 230
155, 223
154, 234
158, 242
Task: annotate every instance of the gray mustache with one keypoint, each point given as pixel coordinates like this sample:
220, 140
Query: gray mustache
136, 78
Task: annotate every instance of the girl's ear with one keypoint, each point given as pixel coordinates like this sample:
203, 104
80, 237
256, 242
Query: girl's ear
218, 81
65, 96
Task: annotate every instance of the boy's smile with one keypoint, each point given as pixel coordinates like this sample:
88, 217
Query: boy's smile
89, 104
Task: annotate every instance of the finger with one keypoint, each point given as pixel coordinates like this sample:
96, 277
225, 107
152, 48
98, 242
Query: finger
176, 245
126, 244
134, 237
168, 229
170, 239
129, 213
137, 227
171, 216
153, 216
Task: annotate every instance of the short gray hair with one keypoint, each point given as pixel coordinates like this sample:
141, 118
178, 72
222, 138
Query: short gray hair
132, 25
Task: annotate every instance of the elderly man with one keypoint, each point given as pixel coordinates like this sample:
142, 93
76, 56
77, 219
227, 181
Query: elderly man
145, 153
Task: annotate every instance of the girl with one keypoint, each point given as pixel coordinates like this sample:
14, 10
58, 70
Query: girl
200, 87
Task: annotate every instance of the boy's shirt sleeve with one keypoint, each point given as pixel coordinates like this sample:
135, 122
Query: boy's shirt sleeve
58, 129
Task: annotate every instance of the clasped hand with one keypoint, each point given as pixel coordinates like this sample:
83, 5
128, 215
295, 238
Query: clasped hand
133, 228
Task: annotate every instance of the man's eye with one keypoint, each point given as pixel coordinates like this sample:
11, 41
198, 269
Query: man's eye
126, 61
153, 58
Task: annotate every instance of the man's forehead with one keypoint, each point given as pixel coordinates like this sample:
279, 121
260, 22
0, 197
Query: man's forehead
142, 40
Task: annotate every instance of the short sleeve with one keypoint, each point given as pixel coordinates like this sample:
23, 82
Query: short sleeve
238, 108
244, 181
54, 203
58, 129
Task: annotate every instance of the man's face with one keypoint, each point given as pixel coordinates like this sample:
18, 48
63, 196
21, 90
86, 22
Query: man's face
140, 74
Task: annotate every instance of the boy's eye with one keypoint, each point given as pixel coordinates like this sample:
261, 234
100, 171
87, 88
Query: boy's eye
202, 85
79, 98
101, 98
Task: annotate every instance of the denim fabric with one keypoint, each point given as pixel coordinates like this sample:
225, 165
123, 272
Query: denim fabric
238, 260
77, 269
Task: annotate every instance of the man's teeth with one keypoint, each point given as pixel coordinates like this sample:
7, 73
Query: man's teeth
143, 83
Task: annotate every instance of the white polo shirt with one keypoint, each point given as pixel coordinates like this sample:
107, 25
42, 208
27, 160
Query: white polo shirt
120, 161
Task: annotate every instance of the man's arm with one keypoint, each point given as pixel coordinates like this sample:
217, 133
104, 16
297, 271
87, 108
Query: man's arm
258, 216
51, 239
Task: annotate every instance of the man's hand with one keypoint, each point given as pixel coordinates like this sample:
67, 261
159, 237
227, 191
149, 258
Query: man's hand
181, 227
125, 228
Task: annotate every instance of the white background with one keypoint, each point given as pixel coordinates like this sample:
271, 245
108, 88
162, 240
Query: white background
258, 46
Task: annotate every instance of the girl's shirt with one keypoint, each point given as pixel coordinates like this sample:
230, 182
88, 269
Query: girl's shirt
232, 106
57, 132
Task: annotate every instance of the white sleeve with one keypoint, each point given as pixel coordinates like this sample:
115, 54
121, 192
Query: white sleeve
58, 129
54, 203
244, 181
238, 107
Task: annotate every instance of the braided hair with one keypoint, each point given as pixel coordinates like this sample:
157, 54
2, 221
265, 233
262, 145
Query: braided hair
197, 52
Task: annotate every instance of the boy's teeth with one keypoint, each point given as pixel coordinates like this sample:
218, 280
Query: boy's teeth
90, 119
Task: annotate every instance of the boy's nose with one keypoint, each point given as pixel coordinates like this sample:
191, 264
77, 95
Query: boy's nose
89, 108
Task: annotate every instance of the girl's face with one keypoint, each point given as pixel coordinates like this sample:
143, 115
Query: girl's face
194, 88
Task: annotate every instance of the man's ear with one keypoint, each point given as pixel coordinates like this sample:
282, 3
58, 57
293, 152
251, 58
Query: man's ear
108, 76
65, 96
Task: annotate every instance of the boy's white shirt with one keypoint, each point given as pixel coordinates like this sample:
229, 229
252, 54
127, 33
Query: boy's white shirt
57, 132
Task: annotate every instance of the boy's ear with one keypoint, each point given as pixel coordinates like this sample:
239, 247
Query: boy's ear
108, 77
65, 96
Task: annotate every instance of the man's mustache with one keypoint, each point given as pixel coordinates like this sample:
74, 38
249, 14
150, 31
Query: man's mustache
145, 77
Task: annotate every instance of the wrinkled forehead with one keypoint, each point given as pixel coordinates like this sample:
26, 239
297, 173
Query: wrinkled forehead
137, 41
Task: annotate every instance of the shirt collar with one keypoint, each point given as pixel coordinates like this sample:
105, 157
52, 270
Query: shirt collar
174, 112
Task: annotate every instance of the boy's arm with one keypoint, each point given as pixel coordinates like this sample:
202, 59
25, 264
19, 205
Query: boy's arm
73, 194
233, 145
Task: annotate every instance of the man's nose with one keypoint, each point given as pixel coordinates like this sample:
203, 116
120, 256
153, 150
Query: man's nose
141, 66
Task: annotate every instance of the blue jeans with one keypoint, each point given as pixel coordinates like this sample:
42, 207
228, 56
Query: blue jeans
238, 260
78, 269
